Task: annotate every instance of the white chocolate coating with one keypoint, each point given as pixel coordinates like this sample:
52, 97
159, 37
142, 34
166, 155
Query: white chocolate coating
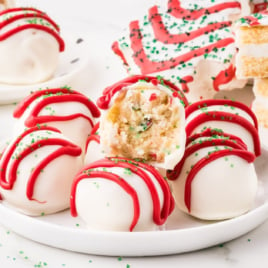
223, 189
51, 191
75, 128
104, 204
29, 56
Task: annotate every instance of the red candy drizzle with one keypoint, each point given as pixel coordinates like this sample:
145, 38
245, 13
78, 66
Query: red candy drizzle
232, 146
8, 178
174, 8
50, 96
246, 155
104, 101
159, 214
30, 15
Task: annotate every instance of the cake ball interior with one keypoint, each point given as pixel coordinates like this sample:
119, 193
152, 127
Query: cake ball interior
143, 123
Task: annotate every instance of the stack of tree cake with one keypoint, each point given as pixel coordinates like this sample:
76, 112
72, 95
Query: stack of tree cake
190, 43
252, 59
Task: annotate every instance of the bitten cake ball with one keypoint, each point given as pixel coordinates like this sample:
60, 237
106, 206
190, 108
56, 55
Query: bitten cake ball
69, 111
216, 178
120, 194
143, 118
30, 43
37, 169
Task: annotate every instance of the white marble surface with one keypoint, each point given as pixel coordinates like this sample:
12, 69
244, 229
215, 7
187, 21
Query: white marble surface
110, 16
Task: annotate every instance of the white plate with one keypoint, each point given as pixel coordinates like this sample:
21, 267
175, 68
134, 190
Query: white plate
73, 60
182, 234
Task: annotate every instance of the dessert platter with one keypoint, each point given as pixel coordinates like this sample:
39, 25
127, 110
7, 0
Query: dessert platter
163, 154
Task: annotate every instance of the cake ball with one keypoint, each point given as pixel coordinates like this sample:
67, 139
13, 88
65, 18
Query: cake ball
143, 118
93, 150
30, 44
226, 115
215, 180
69, 111
120, 194
37, 169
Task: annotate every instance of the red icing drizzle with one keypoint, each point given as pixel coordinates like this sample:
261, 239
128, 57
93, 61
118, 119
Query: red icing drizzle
57, 95
226, 117
252, 20
212, 133
224, 102
7, 180
184, 83
162, 34
93, 136
174, 8
247, 156
34, 13
159, 215
104, 101
224, 77
148, 66
211, 142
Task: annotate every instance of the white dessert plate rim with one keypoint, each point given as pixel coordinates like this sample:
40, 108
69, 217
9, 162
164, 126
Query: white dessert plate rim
183, 233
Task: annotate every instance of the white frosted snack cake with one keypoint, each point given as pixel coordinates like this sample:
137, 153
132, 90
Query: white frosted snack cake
190, 44
30, 44
120, 194
71, 112
143, 118
252, 43
37, 169
216, 179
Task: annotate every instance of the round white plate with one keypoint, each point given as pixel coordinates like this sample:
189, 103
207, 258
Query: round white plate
182, 233
73, 60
